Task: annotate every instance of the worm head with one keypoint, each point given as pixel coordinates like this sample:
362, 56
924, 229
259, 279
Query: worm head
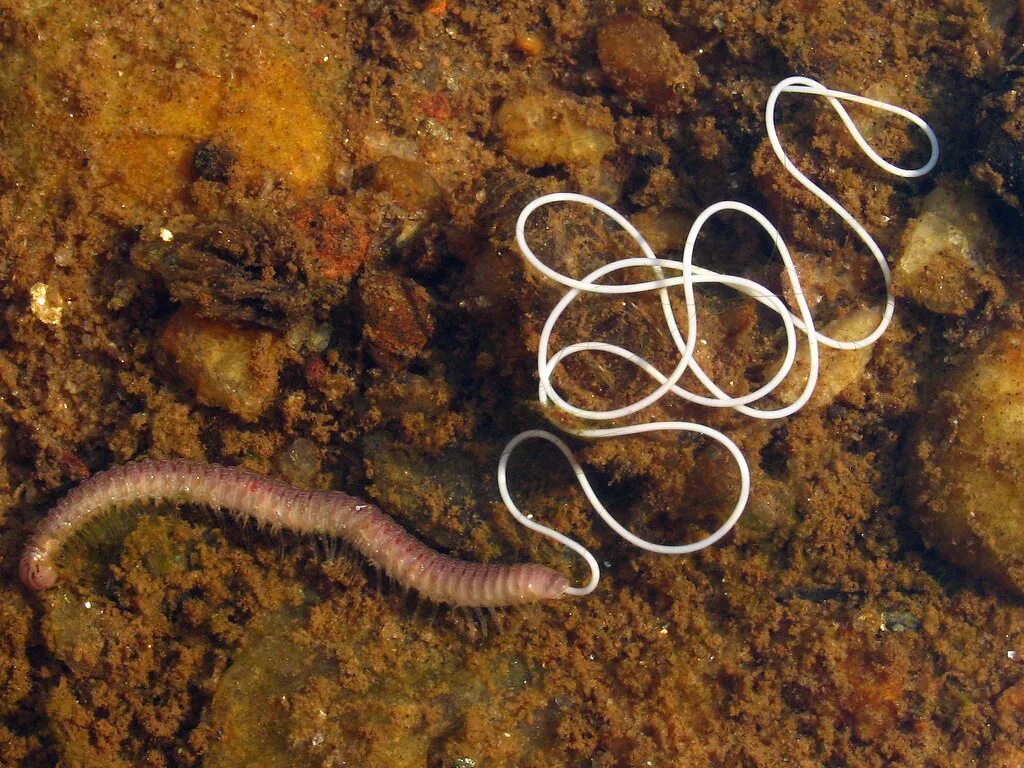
36, 570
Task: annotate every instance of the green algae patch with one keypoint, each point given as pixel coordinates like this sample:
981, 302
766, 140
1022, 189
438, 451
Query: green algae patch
252, 707
73, 632
407, 691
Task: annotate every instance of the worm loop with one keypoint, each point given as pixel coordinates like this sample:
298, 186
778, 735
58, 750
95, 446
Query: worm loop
668, 274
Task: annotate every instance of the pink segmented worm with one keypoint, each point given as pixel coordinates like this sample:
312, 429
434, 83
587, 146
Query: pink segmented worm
279, 506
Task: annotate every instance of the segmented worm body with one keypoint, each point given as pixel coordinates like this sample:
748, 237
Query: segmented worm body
278, 506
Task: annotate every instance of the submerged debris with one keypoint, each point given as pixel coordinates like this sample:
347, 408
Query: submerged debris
247, 266
212, 162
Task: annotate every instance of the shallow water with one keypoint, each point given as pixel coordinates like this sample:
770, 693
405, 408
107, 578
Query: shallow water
330, 193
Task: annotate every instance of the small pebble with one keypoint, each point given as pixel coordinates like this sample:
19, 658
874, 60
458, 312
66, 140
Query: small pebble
46, 303
299, 462
947, 252
397, 319
529, 44
408, 182
340, 242
64, 256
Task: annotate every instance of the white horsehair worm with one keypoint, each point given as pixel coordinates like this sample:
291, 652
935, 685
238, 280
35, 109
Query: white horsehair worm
687, 275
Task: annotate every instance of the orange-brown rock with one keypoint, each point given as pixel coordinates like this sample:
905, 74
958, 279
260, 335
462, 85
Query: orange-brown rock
645, 65
339, 242
397, 320
553, 127
226, 366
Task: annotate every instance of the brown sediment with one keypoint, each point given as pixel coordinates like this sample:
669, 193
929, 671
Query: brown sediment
823, 633
280, 507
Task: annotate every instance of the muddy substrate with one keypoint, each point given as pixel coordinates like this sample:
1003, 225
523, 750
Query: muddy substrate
322, 196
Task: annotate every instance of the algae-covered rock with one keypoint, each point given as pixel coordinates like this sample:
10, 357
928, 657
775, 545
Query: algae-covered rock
967, 464
74, 632
250, 711
15, 682
944, 264
554, 128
